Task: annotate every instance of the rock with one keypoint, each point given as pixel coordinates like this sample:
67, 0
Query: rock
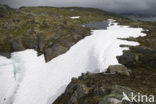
132, 38
17, 45
129, 39
5, 54
54, 51
123, 45
119, 69
79, 92
116, 95
79, 88
29, 42
142, 50
138, 55
89, 74
149, 60
83, 76
41, 43
29, 32
128, 58
101, 91
146, 56
109, 100
73, 99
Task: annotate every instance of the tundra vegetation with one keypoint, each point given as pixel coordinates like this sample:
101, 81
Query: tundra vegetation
51, 31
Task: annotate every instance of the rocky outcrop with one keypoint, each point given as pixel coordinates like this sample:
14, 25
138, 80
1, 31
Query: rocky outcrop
128, 58
109, 87
119, 69
51, 36
56, 33
138, 55
54, 51
79, 91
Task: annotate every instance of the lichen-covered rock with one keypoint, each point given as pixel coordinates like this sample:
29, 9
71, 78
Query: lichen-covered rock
82, 94
79, 91
119, 69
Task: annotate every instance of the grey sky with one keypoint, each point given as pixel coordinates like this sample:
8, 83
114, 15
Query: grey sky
120, 6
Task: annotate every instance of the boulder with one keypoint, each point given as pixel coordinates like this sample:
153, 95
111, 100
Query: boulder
116, 95
17, 45
128, 58
119, 69
79, 92
54, 51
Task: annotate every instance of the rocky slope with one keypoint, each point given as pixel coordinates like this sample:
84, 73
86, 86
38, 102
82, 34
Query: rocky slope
105, 88
140, 60
48, 30
52, 32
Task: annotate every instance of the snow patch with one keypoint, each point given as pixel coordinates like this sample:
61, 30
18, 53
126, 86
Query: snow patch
7, 81
75, 17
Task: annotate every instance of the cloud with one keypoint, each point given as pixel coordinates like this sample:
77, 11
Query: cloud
119, 6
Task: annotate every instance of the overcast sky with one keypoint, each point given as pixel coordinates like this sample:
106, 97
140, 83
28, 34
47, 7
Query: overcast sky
120, 6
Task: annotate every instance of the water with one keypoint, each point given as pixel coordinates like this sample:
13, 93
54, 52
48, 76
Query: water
136, 17
97, 25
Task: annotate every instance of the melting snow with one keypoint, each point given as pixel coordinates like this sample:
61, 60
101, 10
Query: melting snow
75, 17
27, 79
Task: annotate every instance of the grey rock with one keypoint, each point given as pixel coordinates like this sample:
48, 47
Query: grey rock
128, 58
54, 51
41, 43
73, 99
109, 100
17, 45
131, 39
119, 69
144, 55
30, 42
142, 50
80, 92
116, 95
101, 91
5, 54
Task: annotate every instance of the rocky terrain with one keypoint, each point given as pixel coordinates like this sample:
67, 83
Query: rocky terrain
51, 31
48, 30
